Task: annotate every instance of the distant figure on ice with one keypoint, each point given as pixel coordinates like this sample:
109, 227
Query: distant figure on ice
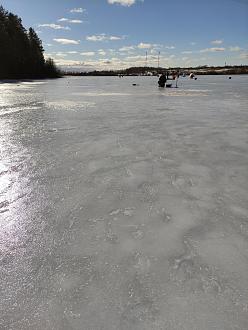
174, 75
162, 80
177, 77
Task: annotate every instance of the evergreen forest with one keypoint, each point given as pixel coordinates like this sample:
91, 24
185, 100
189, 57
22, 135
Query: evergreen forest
21, 51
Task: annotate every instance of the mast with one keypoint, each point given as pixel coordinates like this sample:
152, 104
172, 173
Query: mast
158, 59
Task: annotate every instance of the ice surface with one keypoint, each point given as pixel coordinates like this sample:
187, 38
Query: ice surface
124, 207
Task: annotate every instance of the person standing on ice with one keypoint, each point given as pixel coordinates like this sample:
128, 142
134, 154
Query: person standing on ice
162, 80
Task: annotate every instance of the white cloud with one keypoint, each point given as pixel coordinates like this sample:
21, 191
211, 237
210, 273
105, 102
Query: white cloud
60, 54
126, 48
77, 10
235, 49
126, 3
115, 59
72, 52
67, 41
193, 43
55, 26
75, 21
187, 52
89, 65
48, 55
101, 52
63, 19
170, 47
217, 42
103, 37
136, 58
140, 60
213, 49
157, 46
96, 38
115, 38
114, 63
104, 61
64, 62
88, 53
144, 45
244, 56
154, 51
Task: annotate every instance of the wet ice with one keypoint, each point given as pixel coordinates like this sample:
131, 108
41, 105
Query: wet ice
124, 207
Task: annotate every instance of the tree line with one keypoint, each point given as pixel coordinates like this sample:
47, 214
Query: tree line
136, 71
21, 51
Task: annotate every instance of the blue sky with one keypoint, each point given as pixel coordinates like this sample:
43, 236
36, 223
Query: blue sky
106, 34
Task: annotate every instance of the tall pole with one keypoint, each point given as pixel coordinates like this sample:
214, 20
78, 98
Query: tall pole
146, 58
158, 59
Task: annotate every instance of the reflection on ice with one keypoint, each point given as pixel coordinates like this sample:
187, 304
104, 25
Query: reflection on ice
70, 105
101, 94
5, 182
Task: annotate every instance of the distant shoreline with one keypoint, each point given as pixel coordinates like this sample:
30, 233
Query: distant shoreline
134, 71
137, 75
152, 71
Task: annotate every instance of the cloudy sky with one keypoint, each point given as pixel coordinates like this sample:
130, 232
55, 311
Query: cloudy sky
110, 34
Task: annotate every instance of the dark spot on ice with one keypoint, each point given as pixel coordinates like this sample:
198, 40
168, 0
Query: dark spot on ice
4, 204
3, 211
52, 130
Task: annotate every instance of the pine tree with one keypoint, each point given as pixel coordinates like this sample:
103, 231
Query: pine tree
36, 50
4, 41
19, 45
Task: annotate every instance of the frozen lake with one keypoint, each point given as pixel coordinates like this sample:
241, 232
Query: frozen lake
124, 207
